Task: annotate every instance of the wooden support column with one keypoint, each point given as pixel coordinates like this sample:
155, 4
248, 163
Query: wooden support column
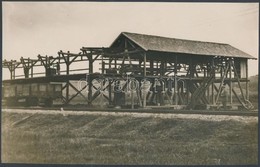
11, 73
140, 63
189, 82
208, 89
102, 64
115, 64
175, 82
68, 64
144, 64
221, 71
67, 82
26, 66
151, 67
102, 67
32, 71
230, 81
109, 62
126, 53
161, 68
157, 67
14, 66
11, 67
238, 81
192, 68
46, 61
222, 80
213, 84
247, 82
144, 92
89, 89
90, 61
188, 91
110, 91
132, 94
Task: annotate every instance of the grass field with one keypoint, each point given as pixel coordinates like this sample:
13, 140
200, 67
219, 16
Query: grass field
99, 139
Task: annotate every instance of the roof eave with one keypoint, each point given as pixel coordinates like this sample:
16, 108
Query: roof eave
248, 57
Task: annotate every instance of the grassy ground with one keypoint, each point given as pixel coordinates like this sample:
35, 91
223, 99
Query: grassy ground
95, 139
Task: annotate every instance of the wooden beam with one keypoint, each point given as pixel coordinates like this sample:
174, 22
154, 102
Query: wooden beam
222, 81
175, 82
230, 84
247, 82
144, 64
78, 93
238, 81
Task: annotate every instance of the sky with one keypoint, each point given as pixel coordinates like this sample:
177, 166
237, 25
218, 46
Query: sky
32, 28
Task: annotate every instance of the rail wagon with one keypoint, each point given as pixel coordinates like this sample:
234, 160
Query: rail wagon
31, 94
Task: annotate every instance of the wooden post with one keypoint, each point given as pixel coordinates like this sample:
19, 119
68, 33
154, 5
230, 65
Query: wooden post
11, 74
212, 88
222, 81
67, 83
132, 95
144, 92
208, 89
32, 71
11, 69
230, 79
151, 67
46, 61
14, 73
68, 64
221, 71
144, 64
102, 64
238, 81
90, 61
126, 53
110, 61
157, 67
175, 82
247, 82
188, 92
140, 63
189, 82
103, 67
110, 92
162, 68
101, 94
89, 89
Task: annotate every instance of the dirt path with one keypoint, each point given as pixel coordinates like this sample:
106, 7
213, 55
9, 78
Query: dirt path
141, 115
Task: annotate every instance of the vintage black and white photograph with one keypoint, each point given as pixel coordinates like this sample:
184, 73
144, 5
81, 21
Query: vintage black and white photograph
129, 83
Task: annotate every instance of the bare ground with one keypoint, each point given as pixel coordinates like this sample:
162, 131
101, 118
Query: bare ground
127, 138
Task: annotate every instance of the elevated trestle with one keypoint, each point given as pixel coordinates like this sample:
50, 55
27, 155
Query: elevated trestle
129, 74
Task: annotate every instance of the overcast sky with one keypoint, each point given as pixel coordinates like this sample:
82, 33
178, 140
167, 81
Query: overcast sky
32, 28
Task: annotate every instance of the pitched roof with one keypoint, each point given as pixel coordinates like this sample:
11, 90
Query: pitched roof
164, 44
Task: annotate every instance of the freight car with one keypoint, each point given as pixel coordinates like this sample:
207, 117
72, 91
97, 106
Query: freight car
31, 94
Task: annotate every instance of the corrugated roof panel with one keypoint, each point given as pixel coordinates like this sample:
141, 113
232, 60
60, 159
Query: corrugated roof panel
164, 44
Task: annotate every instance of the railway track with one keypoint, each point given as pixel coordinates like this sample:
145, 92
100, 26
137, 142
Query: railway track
141, 110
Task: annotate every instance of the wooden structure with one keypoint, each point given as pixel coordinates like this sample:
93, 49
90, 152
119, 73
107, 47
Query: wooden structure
153, 71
